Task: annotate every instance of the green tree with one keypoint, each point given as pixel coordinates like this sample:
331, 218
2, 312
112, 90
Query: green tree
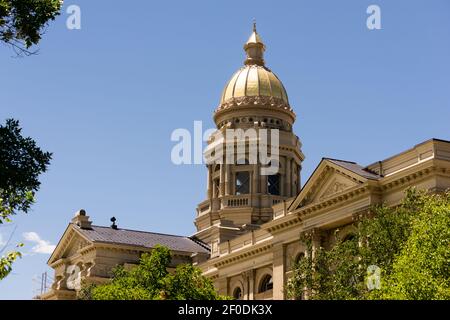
421, 271
409, 243
151, 280
21, 163
22, 22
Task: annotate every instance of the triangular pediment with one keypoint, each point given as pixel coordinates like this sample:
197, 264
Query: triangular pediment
327, 181
69, 245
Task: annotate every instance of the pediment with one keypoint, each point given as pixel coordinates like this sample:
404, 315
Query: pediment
69, 245
74, 246
327, 181
333, 186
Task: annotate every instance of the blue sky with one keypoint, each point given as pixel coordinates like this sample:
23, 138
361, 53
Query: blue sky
105, 100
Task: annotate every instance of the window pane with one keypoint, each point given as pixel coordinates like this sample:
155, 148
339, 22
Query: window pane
242, 183
273, 184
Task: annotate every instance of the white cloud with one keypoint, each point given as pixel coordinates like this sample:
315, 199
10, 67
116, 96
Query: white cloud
42, 246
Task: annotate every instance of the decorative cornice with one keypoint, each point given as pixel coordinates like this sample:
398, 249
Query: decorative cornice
233, 258
285, 224
249, 101
401, 181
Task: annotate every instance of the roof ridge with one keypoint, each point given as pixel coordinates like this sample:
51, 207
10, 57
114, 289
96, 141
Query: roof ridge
333, 159
160, 233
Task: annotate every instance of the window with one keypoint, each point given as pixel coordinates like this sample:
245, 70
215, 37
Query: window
273, 184
242, 183
299, 257
237, 293
349, 237
266, 284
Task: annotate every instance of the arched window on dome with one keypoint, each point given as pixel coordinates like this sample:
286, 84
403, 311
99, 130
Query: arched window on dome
266, 283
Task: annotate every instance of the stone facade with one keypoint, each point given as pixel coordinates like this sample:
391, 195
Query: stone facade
329, 201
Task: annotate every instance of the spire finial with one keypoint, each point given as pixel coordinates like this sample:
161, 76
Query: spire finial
254, 48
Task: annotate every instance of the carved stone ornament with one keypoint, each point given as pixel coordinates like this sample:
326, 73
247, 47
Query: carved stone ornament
255, 100
334, 188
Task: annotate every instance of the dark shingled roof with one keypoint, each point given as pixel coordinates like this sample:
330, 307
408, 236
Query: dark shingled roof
356, 168
142, 239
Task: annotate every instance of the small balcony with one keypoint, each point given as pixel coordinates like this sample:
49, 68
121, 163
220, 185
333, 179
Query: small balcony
234, 201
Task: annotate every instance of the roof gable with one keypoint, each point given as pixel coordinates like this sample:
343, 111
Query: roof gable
70, 242
330, 178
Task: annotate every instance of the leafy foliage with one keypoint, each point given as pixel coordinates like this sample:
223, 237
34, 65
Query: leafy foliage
22, 22
21, 163
422, 268
410, 244
151, 280
6, 262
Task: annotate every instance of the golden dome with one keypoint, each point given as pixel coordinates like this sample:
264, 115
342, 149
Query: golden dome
254, 79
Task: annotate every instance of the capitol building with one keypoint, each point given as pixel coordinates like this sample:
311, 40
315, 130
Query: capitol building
249, 224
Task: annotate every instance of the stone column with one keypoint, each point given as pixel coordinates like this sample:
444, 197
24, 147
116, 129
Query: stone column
288, 175
251, 281
227, 179
222, 181
263, 184
209, 186
316, 239
278, 274
246, 288
294, 188
222, 286
249, 284
255, 183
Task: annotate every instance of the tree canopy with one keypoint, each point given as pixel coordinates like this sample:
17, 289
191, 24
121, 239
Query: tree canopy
409, 245
21, 163
22, 22
151, 280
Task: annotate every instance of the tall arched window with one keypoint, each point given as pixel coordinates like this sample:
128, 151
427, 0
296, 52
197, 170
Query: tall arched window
237, 293
299, 257
242, 184
266, 283
273, 184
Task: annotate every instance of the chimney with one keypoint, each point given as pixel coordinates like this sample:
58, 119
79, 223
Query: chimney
82, 220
